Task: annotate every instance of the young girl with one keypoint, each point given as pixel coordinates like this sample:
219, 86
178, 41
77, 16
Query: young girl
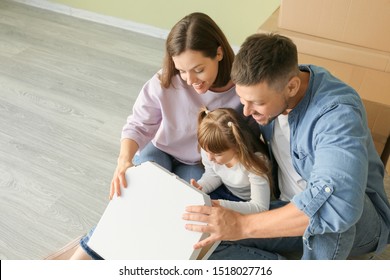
236, 171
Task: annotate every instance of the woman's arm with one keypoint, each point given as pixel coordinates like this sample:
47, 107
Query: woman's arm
125, 160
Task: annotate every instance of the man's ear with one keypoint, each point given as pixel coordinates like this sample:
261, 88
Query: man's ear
293, 86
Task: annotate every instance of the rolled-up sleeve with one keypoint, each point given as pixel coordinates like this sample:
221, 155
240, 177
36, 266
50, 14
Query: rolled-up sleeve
335, 166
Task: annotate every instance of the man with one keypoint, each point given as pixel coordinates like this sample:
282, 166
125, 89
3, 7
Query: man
332, 202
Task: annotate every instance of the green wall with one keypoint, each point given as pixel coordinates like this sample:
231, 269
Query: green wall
238, 19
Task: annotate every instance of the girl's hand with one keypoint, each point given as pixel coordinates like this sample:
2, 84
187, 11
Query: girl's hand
215, 203
119, 178
195, 184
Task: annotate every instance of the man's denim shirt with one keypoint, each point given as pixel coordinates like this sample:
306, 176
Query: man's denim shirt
332, 149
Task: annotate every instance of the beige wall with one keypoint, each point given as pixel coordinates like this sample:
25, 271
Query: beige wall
238, 19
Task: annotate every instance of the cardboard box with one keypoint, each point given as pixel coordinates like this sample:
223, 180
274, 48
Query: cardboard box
359, 22
377, 114
331, 49
373, 87
378, 121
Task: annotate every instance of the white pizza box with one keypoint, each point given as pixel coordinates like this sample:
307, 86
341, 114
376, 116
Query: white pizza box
145, 221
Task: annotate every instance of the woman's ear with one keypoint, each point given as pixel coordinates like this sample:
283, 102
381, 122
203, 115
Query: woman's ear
219, 53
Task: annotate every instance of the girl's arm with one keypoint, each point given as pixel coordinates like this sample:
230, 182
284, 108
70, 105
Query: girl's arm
260, 197
210, 181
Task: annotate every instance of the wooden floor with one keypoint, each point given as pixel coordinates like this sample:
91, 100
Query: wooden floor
66, 88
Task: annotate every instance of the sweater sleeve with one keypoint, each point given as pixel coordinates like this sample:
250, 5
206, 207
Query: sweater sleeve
209, 181
260, 197
145, 120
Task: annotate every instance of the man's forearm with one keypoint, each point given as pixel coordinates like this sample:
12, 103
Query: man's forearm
281, 222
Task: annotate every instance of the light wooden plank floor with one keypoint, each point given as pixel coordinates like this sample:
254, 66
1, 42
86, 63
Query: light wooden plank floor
66, 88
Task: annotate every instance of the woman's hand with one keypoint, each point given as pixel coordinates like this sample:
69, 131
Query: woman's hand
119, 178
128, 149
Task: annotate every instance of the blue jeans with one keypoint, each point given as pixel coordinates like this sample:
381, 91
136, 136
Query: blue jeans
222, 192
360, 239
84, 244
184, 171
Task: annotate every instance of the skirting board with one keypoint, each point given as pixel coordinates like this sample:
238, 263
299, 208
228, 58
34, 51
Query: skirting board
112, 21
108, 20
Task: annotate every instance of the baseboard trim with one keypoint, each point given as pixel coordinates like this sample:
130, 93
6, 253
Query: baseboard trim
109, 20
95, 17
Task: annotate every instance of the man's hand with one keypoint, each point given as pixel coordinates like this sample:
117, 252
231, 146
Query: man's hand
220, 222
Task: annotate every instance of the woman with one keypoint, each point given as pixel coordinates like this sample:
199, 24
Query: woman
163, 125
195, 73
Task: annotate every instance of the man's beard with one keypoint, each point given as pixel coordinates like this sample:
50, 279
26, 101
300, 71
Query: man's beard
273, 117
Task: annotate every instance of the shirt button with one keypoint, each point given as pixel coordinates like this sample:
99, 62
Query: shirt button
327, 189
